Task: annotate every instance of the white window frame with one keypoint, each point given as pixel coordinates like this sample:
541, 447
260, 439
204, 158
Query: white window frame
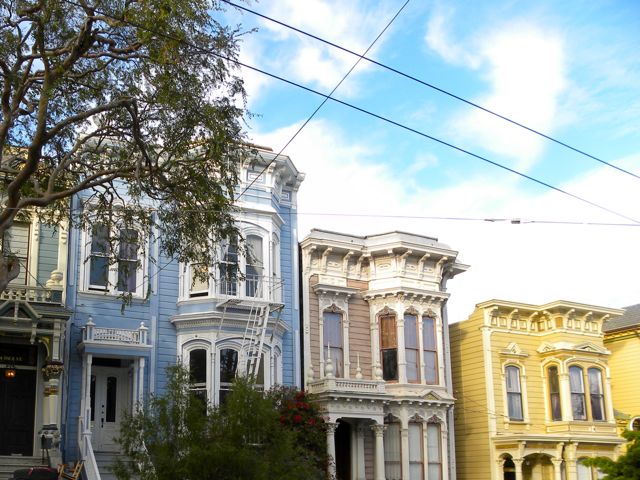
112, 279
192, 345
523, 392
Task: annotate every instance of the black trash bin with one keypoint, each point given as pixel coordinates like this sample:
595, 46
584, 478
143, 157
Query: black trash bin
35, 473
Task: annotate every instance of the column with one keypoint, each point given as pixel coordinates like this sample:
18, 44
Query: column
570, 461
557, 468
499, 469
141, 365
518, 463
378, 430
404, 444
331, 448
402, 358
360, 466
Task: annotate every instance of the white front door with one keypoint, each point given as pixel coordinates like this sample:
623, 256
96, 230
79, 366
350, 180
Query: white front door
109, 401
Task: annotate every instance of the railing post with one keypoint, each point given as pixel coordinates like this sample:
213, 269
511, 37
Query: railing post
143, 334
89, 329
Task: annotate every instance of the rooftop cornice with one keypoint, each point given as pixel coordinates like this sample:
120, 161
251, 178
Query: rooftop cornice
561, 307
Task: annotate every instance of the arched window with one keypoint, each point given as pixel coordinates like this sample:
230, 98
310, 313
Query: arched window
596, 395
635, 424
429, 350
228, 368
198, 372
514, 392
255, 266
332, 339
554, 393
389, 347
411, 347
576, 383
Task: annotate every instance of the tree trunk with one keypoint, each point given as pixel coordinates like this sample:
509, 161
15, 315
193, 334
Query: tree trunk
9, 269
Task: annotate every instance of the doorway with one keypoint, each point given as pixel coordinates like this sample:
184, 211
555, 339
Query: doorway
343, 451
109, 401
17, 412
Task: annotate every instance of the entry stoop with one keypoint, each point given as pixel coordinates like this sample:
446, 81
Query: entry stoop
10, 463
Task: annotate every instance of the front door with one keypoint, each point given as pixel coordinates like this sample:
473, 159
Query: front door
109, 401
17, 412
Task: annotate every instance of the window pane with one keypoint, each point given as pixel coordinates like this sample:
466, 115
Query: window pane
410, 331
98, 271
228, 365
412, 365
415, 451
332, 329
515, 406
428, 333
430, 367
577, 393
392, 458
434, 454
127, 276
199, 285
554, 393
595, 393
112, 395
100, 239
390, 364
198, 365
128, 244
388, 332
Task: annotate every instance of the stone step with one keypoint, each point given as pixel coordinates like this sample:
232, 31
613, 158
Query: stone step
104, 461
10, 463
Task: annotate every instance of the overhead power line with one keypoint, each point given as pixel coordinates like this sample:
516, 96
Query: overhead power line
433, 87
313, 114
367, 112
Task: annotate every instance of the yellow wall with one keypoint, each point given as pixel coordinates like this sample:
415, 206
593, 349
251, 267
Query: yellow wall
624, 364
471, 422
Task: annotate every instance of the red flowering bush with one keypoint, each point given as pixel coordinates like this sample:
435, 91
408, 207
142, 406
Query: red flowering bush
300, 414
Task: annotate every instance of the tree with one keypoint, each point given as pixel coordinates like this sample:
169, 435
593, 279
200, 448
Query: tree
183, 439
134, 103
627, 466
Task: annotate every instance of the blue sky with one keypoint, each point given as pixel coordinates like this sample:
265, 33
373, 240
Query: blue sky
570, 69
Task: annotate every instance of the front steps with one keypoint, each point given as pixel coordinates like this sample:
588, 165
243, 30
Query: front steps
104, 461
8, 464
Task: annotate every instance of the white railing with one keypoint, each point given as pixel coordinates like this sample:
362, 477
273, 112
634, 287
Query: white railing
32, 294
125, 336
249, 287
86, 448
347, 386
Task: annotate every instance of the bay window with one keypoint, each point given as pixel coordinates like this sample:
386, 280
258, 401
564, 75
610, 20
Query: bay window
576, 383
198, 373
596, 395
255, 266
389, 347
554, 393
411, 347
227, 372
429, 350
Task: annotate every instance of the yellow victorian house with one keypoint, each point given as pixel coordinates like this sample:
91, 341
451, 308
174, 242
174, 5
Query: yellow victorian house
622, 338
533, 391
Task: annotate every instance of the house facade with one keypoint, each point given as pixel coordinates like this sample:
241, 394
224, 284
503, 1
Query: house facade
622, 339
533, 391
240, 317
33, 319
376, 352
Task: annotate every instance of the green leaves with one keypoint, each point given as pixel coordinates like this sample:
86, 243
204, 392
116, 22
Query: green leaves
182, 439
627, 466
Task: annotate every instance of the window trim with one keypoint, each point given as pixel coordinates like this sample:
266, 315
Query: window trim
547, 368
601, 395
578, 394
337, 372
417, 350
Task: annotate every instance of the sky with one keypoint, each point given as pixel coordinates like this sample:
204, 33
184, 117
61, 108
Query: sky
570, 70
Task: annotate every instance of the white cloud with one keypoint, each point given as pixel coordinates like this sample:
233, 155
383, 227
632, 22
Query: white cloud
353, 25
439, 39
527, 262
524, 66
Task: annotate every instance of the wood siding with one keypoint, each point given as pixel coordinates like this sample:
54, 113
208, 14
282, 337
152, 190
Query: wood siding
314, 327
359, 331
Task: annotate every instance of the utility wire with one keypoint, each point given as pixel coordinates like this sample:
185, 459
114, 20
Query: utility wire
326, 99
433, 87
362, 110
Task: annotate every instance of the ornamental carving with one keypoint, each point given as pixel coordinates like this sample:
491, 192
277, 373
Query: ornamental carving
52, 370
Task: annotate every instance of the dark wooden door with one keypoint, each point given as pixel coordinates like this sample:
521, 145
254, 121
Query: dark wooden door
17, 411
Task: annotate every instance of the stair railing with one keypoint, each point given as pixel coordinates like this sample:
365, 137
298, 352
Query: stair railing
86, 448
